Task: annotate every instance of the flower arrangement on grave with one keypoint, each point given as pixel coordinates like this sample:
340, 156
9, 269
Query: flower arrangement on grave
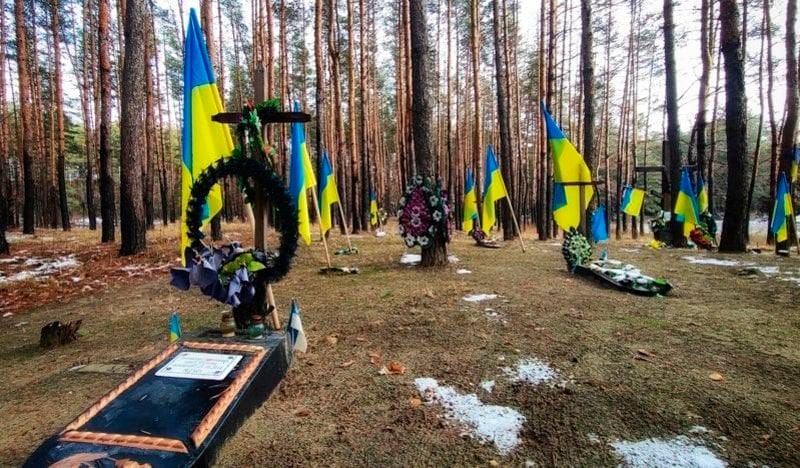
424, 214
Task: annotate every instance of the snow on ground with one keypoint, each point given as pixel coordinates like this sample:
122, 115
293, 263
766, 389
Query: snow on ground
487, 385
479, 297
489, 423
414, 259
679, 451
531, 370
712, 261
463, 271
36, 267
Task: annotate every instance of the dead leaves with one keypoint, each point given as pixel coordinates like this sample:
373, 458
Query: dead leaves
716, 377
414, 402
374, 358
331, 340
393, 368
347, 364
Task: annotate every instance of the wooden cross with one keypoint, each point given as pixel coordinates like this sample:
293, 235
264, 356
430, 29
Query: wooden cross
582, 190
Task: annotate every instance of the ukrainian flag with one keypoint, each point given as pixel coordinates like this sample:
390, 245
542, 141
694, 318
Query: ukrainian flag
569, 167
493, 189
204, 141
328, 193
702, 194
301, 177
686, 208
470, 203
632, 200
373, 208
795, 164
783, 209
174, 328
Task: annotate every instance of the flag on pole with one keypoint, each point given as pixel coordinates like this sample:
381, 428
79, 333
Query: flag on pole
686, 208
795, 164
702, 194
493, 189
174, 328
569, 167
373, 208
632, 200
599, 226
470, 203
204, 141
301, 177
783, 209
328, 193
295, 329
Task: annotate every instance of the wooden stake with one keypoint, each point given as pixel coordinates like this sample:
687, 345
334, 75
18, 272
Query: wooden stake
344, 224
516, 225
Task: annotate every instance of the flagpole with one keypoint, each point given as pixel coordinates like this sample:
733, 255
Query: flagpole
321, 233
344, 223
516, 225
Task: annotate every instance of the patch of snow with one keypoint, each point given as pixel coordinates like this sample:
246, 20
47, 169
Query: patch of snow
711, 261
487, 386
132, 268
532, 371
463, 271
679, 451
489, 423
41, 267
554, 244
380, 233
630, 250
792, 279
479, 297
410, 259
7, 314
699, 430
768, 270
75, 279
593, 438
452, 259
10, 260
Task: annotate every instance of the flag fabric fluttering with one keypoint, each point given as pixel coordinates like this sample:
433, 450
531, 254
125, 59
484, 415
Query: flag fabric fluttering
599, 226
174, 327
204, 141
494, 188
686, 208
328, 193
795, 164
702, 195
295, 329
569, 167
783, 210
470, 203
373, 208
632, 200
301, 177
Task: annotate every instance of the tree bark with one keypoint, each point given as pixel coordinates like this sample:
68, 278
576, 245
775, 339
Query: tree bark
25, 144
734, 226
773, 125
789, 130
673, 129
435, 255
477, 139
107, 204
132, 130
59, 97
702, 98
505, 155
207, 22
86, 111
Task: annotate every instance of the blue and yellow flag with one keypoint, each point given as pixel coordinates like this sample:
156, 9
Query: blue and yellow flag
204, 141
470, 203
373, 208
493, 189
328, 193
301, 177
599, 225
702, 194
783, 210
795, 164
686, 208
569, 167
632, 200
174, 328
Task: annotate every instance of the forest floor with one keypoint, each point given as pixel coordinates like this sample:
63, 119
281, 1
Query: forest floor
713, 368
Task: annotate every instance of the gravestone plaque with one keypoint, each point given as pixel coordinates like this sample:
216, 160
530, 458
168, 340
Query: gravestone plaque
177, 409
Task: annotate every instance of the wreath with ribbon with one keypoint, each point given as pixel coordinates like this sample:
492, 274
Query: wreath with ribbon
424, 214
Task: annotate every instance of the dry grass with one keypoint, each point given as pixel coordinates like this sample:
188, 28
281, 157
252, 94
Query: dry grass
745, 327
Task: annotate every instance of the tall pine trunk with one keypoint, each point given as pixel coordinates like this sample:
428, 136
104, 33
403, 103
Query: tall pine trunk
5, 154
673, 153
107, 204
786, 150
436, 254
734, 226
25, 139
132, 130
503, 117
55, 29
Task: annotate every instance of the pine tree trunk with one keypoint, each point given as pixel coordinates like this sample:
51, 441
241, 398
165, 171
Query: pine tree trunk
207, 22
788, 133
587, 79
773, 125
503, 117
673, 153
353, 183
705, 74
5, 154
132, 130
107, 204
86, 111
435, 255
25, 143
734, 226
477, 138
59, 96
